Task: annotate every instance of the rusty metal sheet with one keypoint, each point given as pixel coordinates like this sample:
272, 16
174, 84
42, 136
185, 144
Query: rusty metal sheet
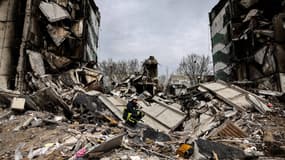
158, 116
58, 34
53, 11
228, 129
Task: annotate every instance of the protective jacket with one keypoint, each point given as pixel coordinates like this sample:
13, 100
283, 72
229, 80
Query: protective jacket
132, 114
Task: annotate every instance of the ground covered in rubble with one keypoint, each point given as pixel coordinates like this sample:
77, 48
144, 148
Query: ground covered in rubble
252, 128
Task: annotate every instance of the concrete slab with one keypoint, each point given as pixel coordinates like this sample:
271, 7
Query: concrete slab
37, 62
228, 93
53, 11
162, 117
242, 101
214, 86
109, 144
18, 103
231, 95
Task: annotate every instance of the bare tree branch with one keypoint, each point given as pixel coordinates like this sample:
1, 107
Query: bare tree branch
119, 70
194, 66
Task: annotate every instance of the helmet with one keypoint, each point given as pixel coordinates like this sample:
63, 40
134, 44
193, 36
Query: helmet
134, 98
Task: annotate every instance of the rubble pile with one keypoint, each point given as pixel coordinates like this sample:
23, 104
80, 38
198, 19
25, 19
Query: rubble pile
224, 122
238, 118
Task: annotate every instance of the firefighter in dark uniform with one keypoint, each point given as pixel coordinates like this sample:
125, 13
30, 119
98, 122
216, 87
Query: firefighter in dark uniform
132, 114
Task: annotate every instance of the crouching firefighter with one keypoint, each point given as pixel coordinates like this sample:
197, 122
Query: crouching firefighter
132, 114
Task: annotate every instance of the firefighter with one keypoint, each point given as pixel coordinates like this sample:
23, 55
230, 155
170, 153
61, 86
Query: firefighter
132, 114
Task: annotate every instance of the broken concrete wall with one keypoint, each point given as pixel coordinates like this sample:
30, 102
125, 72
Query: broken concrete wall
178, 84
248, 41
10, 21
148, 79
63, 34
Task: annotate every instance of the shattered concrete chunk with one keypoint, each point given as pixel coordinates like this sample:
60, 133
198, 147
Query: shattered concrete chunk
260, 55
248, 3
109, 144
259, 105
24, 124
252, 13
56, 62
53, 11
58, 34
18, 104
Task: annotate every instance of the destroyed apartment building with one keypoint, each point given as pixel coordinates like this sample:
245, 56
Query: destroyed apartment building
40, 38
53, 104
248, 42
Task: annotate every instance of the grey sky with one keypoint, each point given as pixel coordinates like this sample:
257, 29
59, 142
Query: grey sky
167, 29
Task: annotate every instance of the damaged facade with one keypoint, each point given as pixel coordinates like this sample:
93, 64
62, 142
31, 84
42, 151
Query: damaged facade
46, 38
248, 42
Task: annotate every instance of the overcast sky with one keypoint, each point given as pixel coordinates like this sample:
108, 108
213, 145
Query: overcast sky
166, 29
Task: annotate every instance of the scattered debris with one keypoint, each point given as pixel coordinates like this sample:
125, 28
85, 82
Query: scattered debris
61, 111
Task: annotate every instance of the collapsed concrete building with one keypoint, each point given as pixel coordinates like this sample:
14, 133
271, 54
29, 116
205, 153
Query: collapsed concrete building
44, 37
248, 38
